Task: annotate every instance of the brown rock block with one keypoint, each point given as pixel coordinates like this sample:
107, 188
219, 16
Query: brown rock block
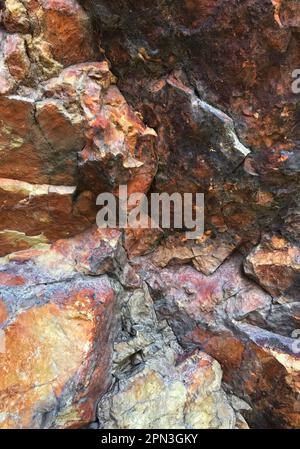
62, 24
66, 27
121, 149
18, 158
207, 254
208, 257
40, 139
15, 17
58, 129
274, 264
138, 242
3, 312
31, 149
33, 213
93, 252
96, 251
270, 370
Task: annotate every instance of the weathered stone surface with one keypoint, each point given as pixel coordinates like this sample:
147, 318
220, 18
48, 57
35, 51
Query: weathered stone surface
185, 397
224, 294
67, 29
15, 17
206, 254
216, 114
94, 252
59, 328
235, 70
275, 264
16, 57
234, 320
157, 386
201, 86
36, 211
49, 115
138, 242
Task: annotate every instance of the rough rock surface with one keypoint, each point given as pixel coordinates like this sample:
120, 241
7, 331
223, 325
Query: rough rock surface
156, 385
59, 328
164, 96
235, 321
67, 134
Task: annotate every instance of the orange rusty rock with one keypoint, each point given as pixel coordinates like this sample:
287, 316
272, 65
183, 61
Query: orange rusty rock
44, 128
66, 27
53, 366
58, 129
138, 242
3, 311
40, 359
227, 349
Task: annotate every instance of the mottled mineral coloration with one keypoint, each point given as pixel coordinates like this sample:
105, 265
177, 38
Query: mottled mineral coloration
142, 328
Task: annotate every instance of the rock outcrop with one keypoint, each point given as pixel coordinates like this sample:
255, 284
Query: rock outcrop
67, 134
150, 369
59, 328
142, 328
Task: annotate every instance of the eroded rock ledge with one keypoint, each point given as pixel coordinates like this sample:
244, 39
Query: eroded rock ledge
104, 327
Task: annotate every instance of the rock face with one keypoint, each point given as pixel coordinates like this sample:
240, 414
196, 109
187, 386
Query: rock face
235, 321
142, 328
67, 134
59, 329
157, 386
275, 265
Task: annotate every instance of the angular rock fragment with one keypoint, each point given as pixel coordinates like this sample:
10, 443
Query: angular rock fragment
34, 210
94, 252
208, 257
15, 17
16, 58
275, 265
138, 242
66, 28
186, 397
206, 254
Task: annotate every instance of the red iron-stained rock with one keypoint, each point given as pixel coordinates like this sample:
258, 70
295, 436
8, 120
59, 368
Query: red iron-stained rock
66, 135
204, 103
58, 328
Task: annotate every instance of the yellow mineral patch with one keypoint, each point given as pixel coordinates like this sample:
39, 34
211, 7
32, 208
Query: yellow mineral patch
25, 188
44, 349
15, 237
